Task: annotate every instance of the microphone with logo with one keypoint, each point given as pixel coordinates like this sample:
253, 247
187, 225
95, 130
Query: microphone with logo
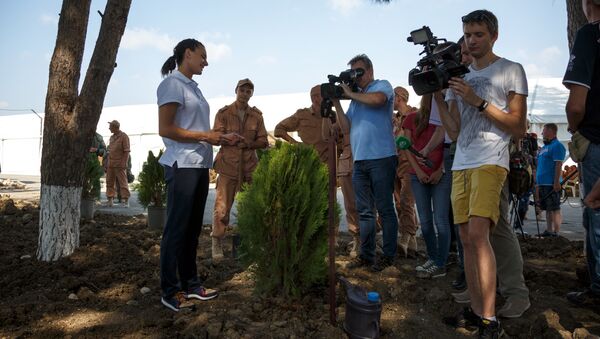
405, 145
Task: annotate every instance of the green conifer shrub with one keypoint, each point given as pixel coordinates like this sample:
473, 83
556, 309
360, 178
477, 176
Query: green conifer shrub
151, 186
282, 221
91, 178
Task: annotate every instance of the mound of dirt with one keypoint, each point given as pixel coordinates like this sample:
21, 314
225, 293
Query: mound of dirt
110, 288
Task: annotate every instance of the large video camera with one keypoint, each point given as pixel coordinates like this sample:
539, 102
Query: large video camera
437, 66
332, 89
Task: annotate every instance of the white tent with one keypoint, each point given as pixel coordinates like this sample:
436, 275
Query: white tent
20, 141
20, 133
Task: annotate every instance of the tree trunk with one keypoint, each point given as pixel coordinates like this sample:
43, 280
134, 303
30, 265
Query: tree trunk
71, 119
575, 19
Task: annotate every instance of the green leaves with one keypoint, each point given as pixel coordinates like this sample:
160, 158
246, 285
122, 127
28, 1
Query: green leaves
91, 178
282, 220
151, 186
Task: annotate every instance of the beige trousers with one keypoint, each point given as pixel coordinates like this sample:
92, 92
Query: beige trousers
119, 175
404, 200
349, 203
225, 193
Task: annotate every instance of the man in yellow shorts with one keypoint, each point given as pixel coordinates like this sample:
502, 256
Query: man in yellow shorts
485, 108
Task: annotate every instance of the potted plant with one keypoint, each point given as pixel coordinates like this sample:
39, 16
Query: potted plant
152, 191
90, 191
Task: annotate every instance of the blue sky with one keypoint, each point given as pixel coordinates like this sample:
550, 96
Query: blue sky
284, 46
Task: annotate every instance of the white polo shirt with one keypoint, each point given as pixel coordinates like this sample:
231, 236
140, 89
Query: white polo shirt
193, 114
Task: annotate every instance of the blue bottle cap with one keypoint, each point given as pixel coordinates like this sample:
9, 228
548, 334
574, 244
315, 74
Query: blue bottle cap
373, 297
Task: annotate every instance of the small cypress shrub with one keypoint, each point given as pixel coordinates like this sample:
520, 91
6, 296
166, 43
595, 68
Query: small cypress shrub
282, 221
91, 178
151, 186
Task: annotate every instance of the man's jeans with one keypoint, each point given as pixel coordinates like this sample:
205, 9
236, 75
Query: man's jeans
590, 172
438, 245
373, 182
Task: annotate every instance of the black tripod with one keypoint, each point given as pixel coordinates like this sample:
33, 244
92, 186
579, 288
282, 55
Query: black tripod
515, 218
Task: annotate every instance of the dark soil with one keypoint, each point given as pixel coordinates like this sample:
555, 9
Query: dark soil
97, 291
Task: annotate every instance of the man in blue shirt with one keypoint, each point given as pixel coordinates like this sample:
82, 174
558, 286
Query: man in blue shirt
369, 119
550, 160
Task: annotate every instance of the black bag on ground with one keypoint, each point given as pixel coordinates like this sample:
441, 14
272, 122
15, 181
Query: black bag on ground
520, 176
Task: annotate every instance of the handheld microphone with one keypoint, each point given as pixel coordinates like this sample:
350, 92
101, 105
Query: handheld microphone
405, 144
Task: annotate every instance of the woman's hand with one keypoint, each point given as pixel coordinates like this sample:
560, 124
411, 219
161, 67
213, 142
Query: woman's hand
423, 178
436, 176
212, 137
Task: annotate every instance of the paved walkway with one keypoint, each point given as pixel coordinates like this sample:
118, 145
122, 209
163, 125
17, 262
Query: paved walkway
571, 227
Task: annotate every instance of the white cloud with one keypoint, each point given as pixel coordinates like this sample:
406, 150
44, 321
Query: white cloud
49, 19
217, 51
139, 38
542, 63
550, 54
344, 6
3, 104
265, 60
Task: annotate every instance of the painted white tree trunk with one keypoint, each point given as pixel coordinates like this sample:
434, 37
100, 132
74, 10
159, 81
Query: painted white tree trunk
59, 221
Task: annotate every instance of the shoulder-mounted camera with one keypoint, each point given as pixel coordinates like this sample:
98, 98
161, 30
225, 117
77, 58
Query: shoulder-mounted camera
440, 63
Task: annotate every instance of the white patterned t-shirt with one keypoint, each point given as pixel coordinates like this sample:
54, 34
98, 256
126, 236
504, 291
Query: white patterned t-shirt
480, 142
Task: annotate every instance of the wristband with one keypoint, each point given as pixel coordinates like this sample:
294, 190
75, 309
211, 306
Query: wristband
483, 106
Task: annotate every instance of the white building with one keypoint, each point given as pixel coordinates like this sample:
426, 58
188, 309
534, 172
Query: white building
20, 134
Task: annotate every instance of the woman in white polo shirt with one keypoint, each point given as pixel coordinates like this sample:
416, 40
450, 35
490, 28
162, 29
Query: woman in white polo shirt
184, 125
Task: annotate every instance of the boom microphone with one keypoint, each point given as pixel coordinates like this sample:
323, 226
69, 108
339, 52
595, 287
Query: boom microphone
405, 145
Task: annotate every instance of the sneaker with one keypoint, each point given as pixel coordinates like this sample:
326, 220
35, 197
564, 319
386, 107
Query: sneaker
585, 297
126, 203
176, 302
201, 293
465, 318
514, 307
462, 297
548, 234
490, 329
425, 266
460, 283
433, 271
358, 262
382, 264
109, 202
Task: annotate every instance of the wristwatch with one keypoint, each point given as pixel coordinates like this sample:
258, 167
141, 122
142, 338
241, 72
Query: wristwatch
483, 106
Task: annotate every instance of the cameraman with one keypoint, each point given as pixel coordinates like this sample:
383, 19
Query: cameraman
486, 107
369, 120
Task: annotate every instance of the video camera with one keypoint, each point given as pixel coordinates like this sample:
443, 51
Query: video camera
437, 67
332, 89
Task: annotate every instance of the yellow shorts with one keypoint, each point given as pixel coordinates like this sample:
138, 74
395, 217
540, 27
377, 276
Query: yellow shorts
476, 192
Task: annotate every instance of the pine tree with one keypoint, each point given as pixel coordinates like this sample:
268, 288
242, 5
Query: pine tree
282, 221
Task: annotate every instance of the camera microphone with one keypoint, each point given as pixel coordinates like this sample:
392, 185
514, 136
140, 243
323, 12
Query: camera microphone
405, 145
